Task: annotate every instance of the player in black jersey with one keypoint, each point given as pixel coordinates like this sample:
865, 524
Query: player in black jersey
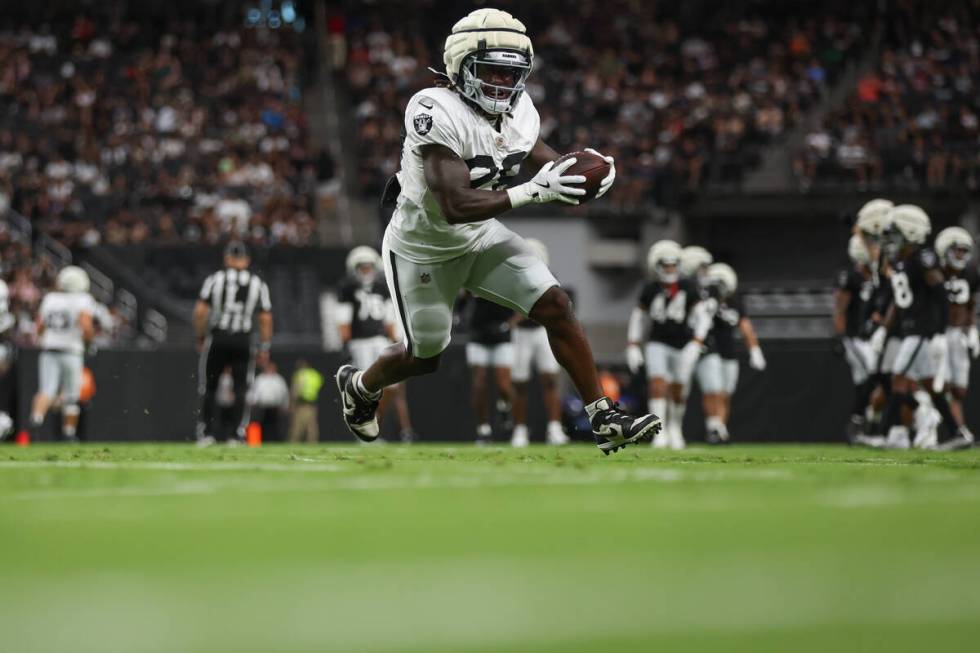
919, 310
954, 246
852, 314
367, 325
489, 348
669, 317
717, 371
232, 302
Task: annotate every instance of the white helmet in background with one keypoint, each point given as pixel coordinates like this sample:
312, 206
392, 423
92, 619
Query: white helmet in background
955, 247
911, 222
360, 256
857, 251
872, 219
722, 275
694, 259
662, 254
72, 278
539, 249
488, 38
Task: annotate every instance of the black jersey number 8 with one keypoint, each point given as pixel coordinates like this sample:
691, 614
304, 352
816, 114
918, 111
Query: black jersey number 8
486, 162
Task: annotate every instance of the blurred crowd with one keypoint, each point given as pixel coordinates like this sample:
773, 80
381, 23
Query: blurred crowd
678, 98
912, 119
118, 127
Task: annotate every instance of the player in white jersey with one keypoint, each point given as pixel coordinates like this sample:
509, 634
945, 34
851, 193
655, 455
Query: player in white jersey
7, 383
65, 327
464, 146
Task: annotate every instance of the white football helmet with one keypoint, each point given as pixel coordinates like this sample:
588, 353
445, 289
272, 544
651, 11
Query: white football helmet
72, 278
872, 219
663, 254
955, 247
723, 276
361, 256
539, 248
857, 251
489, 38
911, 222
694, 260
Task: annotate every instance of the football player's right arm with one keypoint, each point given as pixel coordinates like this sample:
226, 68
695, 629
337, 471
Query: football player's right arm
842, 299
201, 312
345, 314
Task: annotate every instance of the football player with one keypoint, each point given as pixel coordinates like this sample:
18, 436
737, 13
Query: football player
919, 310
694, 263
954, 246
669, 318
531, 349
465, 144
65, 327
367, 325
490, 348
7, 382
852, 305
717, 370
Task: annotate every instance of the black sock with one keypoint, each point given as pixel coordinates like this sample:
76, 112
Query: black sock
893, 411
942, 405
862, 392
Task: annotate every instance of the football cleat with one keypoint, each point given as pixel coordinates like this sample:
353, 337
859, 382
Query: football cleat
360, 413
963, 440
613, 429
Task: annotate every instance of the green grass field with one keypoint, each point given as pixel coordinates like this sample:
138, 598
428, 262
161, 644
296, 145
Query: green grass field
152, 548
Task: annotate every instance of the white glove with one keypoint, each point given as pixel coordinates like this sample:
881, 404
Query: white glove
634, 358
877, 339
756, 360
548, 185
973, 341
687, 360
939, 352
610, 178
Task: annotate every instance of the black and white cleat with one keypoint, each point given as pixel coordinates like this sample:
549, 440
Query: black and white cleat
613, 429
360, 413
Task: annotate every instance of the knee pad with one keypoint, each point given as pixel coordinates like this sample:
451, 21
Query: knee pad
431, 331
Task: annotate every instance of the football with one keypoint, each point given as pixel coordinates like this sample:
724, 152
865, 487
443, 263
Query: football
591, 166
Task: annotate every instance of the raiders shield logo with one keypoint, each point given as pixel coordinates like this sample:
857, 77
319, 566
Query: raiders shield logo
423, 123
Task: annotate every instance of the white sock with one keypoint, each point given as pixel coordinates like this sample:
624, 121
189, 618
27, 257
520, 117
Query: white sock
359, 386
484, 430
658, 407
554, 427
600, 404
714, 423
675, 417
520, 432
36, 420
69, 431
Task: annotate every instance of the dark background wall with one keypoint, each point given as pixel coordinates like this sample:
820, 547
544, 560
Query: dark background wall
804, 395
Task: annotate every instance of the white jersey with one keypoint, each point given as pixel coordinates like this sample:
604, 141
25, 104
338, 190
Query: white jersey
418, 231
59, 313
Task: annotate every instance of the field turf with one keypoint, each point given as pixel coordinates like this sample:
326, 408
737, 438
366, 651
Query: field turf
153, 548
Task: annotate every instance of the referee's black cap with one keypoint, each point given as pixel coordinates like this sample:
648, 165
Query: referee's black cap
236, 249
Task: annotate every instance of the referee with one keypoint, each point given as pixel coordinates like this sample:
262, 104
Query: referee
232, 301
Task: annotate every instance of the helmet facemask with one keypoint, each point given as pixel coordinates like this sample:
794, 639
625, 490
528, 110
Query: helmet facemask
366, 273
663, 274
494, 79
958, 256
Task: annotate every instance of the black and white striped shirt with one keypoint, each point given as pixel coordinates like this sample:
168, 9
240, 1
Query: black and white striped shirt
234, 297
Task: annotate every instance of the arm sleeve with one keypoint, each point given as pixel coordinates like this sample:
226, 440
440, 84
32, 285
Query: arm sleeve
206, 289
345, 313
265, 302
637, 325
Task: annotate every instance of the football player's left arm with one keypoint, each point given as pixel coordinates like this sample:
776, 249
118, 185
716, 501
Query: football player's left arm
542, 153
756, 359
936, 282
265, 335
